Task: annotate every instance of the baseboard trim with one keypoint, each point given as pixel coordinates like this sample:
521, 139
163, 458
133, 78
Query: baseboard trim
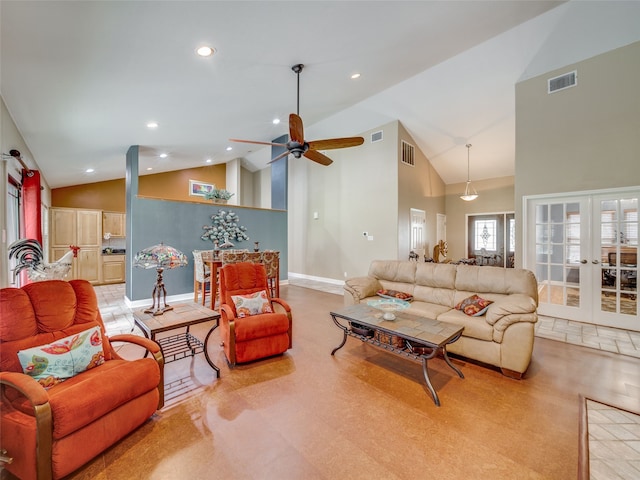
317, 279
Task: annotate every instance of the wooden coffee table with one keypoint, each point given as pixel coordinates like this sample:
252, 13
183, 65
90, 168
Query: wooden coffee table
423, 337
183, 344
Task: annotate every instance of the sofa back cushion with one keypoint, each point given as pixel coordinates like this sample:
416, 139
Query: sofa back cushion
43, 312
496, 280
434, 283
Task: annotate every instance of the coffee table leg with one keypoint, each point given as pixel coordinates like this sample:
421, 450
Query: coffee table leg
446, 357
428, 381
206, 351
344, 338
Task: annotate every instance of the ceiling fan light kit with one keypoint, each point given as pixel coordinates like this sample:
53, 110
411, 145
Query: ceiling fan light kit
297, 146
470, 192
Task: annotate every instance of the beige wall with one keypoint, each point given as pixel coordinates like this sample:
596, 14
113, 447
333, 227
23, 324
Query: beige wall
582, 138
494, 196
366, 189
419, 187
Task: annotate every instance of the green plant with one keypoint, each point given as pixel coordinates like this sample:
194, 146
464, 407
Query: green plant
220, 193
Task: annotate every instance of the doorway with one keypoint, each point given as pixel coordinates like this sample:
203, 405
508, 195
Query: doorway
583, 250
418, 232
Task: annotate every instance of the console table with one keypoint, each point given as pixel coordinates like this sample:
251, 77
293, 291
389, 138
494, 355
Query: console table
424, 337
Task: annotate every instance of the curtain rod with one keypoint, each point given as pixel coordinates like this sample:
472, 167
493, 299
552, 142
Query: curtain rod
16, 154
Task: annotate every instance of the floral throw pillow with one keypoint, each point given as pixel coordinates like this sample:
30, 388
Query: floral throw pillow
55, 362
252, 304
474, 306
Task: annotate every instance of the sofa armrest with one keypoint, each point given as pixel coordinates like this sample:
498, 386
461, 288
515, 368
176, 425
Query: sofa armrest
358, 288
517, 303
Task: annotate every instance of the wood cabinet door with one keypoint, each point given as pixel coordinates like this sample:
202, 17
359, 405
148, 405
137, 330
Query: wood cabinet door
89, 264
113, 269
63, 228
89, 228
114, 223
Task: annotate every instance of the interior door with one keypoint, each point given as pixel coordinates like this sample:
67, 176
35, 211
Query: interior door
583, 250
616, 254
557, 244
418, 232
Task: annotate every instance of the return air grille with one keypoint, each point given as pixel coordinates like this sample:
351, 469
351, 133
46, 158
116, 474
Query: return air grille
376, 136
562, 82
408, 154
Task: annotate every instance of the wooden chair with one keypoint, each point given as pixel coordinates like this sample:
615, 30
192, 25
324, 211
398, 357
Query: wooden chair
201, 275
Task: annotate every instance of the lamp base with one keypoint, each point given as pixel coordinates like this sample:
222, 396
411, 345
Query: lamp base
159, 293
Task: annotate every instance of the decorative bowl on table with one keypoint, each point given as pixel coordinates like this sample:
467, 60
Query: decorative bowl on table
389, 306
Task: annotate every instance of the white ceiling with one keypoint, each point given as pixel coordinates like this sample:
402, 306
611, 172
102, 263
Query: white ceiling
82, 79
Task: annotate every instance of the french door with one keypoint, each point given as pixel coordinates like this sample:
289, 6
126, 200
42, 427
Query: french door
583, 250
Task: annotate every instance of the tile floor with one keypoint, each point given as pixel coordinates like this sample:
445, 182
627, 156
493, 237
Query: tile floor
614, 442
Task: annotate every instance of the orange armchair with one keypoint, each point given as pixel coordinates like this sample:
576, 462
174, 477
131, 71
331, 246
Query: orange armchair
247, 338
50, 432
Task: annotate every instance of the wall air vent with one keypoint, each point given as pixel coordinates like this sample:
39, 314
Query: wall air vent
408, 154
562, 82
376, 137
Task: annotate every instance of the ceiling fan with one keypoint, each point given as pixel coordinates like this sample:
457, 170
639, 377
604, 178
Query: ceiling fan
297, 146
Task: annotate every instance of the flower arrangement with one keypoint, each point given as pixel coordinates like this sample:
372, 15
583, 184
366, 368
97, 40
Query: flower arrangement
218, 193
224, 228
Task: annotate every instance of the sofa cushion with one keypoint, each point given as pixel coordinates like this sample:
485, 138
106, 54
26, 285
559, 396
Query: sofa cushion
394, 271
259, 326
56, 362
474, 327
88, 396
427, 310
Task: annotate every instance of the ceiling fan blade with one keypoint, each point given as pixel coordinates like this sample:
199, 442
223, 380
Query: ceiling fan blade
282, 155
258, 143
318, 157
331, 143
296, 130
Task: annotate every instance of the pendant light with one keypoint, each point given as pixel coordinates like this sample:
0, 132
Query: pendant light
469, 192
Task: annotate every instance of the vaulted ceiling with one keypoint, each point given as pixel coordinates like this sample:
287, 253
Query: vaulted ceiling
82, 79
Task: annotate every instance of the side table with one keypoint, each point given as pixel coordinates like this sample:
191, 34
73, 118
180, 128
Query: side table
183, 344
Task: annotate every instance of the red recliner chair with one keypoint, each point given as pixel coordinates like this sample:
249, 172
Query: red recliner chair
252, 324
49, 427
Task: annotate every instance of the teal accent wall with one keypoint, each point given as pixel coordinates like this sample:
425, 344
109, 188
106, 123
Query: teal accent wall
179, 224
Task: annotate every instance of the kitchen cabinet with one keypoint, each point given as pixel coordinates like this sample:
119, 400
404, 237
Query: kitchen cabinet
114, 223
113, 268
83, 228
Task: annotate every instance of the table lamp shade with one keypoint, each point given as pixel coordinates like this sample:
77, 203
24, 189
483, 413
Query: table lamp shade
160, 256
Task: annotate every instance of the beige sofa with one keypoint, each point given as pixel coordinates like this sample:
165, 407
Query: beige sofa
502, 337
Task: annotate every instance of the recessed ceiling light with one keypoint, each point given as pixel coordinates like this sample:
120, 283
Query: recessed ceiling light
89, 170
209, 160
149, 168
163, 155
229, 149
205, 51
354, 76
276, 121
152, 125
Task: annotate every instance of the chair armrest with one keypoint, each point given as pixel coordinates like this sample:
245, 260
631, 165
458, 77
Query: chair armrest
26, 385
226, 313
39, 398
150, 345
282, 303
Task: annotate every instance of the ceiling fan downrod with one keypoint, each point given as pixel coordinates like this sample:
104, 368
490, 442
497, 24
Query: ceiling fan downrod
297, 69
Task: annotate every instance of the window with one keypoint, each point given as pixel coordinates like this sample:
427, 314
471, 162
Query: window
13, 219
488, 235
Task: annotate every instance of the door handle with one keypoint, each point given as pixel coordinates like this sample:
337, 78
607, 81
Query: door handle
583, 261
595, 262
